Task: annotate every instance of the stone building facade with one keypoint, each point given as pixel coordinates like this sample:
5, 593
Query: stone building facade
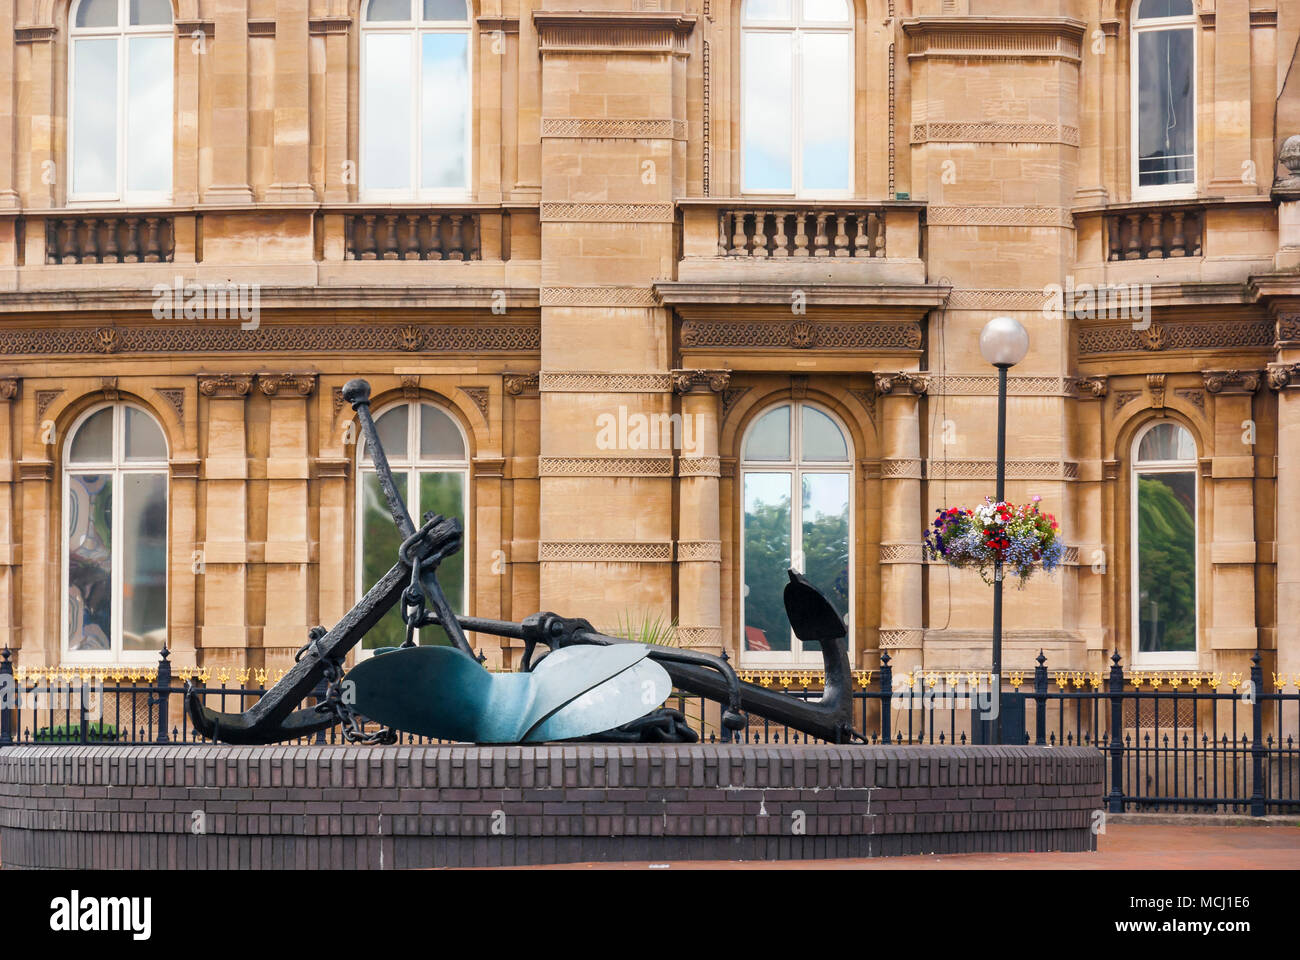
623, 274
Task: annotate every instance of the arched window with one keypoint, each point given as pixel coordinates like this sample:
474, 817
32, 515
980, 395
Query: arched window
797, 97
120, 101
1163, 52
1164, 509
115, 527
415, 99
796, 489
427, 452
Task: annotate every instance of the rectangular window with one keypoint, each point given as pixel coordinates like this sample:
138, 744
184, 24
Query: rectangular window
1166, 119
1166, 564
767, 556
388, 83
94, 118
444, 72
769, 112
149, 116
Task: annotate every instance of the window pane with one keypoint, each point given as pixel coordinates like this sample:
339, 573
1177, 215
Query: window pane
97, 13
144, 561
1152, 9
826, 92
768, 107
389, 10
439, 437
386, 151
1166, 144
768, 10
826, 11
1166, 441
94, 116
445, 10
769, 439
148, 12
379, 543
1166, 562
822, 439
149, 114
89, 550
144, 439
444, 493
93, 442
444, 72
767, 557
826, 538
392, 427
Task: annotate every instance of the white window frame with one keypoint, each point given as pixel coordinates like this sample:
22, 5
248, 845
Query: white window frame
122, 33
1174, 191
416, 28
797, 27
796, 657
412, 466
117, 467
1159, 660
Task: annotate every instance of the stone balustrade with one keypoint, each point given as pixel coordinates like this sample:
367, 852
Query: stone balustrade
413, 235
1155, 232
92, 238
801, 231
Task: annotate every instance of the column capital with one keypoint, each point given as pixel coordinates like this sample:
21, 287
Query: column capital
1089, 388
701, 381
1231, 381
225, 385
888, 383
1283, 375
292, 385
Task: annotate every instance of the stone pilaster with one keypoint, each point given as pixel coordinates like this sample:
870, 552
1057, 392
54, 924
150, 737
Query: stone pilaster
898, 399
10, 549
1285, 379
1088, 529
8, 144
42, 176
223, 554
289, 547
1230, 132
337, 179
699, 530
229, 134
1231, 491
292, 107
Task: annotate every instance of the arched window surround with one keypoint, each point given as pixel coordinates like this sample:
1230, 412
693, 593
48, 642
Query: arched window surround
415, 29
142, 109
798, 466
1182, 470
119, 467
1146, 27
407, 469
757, 25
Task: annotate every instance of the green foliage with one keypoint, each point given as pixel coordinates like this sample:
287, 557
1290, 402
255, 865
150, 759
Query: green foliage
95, 733
767, 557
658, 630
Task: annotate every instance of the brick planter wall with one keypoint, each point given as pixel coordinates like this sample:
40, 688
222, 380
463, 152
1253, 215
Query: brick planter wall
364, 807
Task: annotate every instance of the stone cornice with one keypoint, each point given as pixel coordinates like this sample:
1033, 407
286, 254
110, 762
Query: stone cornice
612, 32
1000, 38
325, 26
741, 292
498, 24
35, 34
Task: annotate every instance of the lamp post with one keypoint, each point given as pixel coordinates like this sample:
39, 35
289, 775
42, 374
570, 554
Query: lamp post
1004, 343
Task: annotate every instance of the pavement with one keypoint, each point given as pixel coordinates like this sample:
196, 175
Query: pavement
1124, 846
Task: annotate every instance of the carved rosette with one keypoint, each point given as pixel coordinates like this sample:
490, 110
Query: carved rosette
887, 383
700, 381
286, 384
226, 385
1231, 381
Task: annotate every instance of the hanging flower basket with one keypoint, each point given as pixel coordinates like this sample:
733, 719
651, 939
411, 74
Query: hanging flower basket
1021, 537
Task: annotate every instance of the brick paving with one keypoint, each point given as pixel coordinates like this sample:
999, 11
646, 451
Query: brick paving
1121, 847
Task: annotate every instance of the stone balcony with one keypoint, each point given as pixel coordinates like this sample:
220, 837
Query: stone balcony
786, 241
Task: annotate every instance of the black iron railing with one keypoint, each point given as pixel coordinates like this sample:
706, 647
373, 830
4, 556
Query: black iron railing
1173, 740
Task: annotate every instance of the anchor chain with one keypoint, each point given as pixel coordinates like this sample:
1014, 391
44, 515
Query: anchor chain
335, 702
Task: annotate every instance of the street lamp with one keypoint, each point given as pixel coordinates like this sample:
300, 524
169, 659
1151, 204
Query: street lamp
1004, 343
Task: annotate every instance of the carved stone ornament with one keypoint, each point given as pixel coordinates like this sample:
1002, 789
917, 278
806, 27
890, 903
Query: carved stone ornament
886, 383
1231, 381
226, 385
286, 384
1283, 375
699, 381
